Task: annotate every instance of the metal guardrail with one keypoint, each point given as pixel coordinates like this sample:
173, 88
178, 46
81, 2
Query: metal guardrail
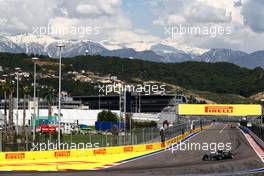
255, 131
255, 128
257, 139
258, 130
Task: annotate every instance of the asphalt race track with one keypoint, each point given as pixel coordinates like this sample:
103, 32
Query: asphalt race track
183, 162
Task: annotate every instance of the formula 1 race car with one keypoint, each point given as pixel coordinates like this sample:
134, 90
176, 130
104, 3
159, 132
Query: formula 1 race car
232, 125
219, 155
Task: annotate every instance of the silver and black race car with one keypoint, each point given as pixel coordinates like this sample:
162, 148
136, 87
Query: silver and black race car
219, 155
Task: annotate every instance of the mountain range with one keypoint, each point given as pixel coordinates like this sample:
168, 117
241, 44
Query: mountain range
158, 52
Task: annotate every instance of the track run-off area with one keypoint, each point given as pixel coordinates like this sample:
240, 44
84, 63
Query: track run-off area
181, 162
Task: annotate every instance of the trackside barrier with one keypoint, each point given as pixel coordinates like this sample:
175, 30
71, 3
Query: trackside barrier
180, 137
254, 136
64, 154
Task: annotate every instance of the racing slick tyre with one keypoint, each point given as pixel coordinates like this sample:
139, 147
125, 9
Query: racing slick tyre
205, 158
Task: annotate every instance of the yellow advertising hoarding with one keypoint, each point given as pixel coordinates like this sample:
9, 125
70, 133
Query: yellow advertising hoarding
220, 109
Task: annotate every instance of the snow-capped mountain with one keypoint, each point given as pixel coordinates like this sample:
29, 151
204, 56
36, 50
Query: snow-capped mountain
165, 51
252, 60
111, 45
75, 48
46, 45
8, 46
43, 40
34, 48
193, 51
170, 54
221, 55
133, 54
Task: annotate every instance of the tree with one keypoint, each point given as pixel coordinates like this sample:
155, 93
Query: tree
107, 116
26, 90
4, 89
8, 89
50, 97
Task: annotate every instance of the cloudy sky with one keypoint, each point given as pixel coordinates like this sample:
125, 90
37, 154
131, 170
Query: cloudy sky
140, 22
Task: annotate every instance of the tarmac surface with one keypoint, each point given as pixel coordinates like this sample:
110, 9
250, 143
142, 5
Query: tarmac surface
188, 162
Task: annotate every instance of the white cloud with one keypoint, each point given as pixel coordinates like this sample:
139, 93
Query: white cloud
170, 20
87, 9
194, 12
137, 39
245, 20
62, 16
243, 17
200, 12
98, 8
253, 15
21, 16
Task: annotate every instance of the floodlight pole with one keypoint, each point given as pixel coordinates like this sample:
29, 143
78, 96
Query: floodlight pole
60, 46
34, 114
17, 77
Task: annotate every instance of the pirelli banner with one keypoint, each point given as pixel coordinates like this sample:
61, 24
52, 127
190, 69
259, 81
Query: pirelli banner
220, 109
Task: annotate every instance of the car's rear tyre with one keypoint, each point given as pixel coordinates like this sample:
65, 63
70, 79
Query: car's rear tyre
231, 156
205, 158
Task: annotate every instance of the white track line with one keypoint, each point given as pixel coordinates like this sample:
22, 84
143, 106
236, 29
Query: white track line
154, 153
223, 128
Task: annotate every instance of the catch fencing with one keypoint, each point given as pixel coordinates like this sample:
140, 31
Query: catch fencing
103, 139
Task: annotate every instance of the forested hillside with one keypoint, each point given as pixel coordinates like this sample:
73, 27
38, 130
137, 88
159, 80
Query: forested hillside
223, 78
